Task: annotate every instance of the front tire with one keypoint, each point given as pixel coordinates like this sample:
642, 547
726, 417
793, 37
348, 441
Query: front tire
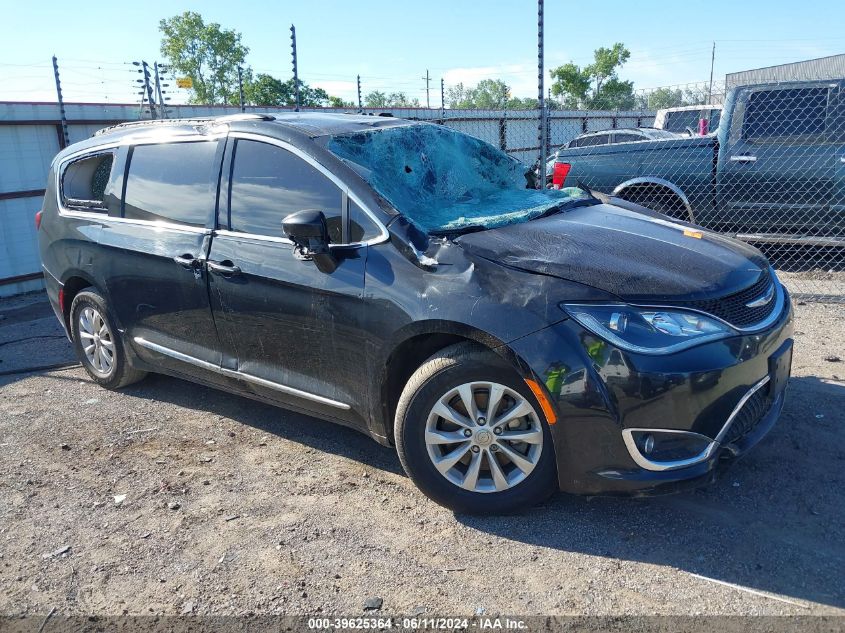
98, 343
470, 434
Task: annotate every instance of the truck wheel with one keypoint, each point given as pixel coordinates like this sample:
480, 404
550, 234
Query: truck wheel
469, 434
98, 344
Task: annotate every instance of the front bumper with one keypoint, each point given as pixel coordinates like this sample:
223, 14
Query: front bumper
729, 392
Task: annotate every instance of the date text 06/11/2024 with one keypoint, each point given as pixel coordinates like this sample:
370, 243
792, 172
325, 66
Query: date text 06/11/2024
415, 624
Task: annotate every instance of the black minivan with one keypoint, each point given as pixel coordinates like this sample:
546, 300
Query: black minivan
408, 281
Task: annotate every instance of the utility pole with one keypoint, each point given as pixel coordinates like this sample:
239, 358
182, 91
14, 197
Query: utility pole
427, 80
360, 108
241, 88
295, 73
442, 99
541, 130
712, 63
65, 138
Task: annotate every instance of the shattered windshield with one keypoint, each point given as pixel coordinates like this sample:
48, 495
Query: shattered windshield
443, 180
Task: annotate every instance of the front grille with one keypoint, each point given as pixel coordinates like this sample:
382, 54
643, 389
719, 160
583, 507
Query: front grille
749, 416
733, 308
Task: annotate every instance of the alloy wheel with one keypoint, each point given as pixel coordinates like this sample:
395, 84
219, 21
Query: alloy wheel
484, 437
97, 341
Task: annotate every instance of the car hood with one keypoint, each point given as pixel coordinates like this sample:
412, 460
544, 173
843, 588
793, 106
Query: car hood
632, 254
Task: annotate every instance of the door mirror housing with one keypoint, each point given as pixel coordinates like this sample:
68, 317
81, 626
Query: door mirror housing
309, 233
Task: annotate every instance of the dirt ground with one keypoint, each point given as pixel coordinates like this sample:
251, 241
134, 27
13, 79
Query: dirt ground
172, 498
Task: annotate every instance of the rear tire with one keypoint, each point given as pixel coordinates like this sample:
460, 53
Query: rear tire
98, 343
475, 467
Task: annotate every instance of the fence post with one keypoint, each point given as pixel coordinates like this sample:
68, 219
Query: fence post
442, 99
360, 108
65, 138
241, 88
295, 73
148, 90
162, 112
541, 103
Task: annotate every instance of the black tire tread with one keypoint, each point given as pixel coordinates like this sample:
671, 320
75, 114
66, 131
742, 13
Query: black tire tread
124, 374
444, 360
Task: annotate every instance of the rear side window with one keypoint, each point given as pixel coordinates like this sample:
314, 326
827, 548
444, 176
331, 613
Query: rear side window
788, 113
680, 120
626, 137
171, 182
86, 184
269, 183
589, 141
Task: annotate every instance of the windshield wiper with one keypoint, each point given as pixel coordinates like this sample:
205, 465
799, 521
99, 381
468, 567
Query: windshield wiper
566, 205
459, 230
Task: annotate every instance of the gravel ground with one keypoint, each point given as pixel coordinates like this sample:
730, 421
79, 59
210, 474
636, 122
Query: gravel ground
172, 498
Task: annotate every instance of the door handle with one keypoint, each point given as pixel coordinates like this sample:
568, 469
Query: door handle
743, 158
187, 261
225, 268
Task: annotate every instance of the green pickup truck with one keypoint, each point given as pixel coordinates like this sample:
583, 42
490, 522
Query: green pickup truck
774, 170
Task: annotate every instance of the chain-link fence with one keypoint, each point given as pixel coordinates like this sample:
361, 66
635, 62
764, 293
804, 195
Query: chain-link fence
764, 163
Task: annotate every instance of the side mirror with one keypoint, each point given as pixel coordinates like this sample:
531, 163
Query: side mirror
309, 233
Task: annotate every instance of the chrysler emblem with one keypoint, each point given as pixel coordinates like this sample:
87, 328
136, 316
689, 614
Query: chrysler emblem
762, 299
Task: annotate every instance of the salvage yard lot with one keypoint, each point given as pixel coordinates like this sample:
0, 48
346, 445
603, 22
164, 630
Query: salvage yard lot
236, 507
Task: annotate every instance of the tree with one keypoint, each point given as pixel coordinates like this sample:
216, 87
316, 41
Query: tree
489, 94
663, 98
337, 102
673, 97
207, 53
401, 100
266, 90
456, 95
597, 85
375, 99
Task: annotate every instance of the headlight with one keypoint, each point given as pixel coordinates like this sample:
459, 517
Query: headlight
648, 330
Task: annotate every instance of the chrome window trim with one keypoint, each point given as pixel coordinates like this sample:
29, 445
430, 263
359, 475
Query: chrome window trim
130, 141
383, 233
231, 373
643, 462
252, 236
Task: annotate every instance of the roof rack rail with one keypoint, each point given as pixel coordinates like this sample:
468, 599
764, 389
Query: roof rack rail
246, 116
242, 116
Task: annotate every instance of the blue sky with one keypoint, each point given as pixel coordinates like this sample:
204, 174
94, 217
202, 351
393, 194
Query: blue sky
392, 44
